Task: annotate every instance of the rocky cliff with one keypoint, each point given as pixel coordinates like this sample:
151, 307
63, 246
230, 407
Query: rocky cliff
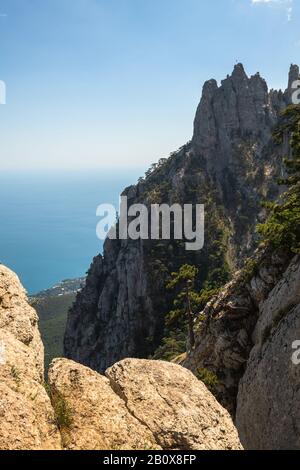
230, 165
269, 392
26, 415
139, 405
247, 342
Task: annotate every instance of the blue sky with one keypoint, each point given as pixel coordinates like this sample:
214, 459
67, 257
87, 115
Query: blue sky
113, 83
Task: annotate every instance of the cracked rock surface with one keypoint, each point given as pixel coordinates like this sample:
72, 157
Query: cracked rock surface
140, 405
177, 408
100, 418
268, 412
26, 414
247, 340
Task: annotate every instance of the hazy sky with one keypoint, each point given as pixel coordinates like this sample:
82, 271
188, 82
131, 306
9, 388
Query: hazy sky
106, 83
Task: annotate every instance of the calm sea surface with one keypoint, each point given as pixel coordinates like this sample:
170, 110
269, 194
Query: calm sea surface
48, 221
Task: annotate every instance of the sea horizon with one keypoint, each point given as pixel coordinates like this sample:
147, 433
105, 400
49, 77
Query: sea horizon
48, 231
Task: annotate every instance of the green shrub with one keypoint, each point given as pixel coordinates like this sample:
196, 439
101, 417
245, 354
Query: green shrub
209, 379
249, 270
15, 375
63, 413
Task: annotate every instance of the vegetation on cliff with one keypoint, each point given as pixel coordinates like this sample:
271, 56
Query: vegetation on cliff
230, 166
282, 228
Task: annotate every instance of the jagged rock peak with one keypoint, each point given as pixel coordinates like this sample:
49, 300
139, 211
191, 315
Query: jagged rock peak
239, 72
209, 88
241, 105
294, 74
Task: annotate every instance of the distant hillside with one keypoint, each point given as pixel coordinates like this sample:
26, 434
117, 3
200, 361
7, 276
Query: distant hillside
52, 306
68, 286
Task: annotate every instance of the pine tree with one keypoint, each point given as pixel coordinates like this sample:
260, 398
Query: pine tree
186, 300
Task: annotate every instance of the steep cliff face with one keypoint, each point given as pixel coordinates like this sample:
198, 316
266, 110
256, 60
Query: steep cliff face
233, 133
247, 342
268, 413
225, 339
230, 166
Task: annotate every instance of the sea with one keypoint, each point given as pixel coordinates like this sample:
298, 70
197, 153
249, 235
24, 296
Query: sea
48, 221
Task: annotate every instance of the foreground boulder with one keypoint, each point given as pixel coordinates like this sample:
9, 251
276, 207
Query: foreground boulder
26, 415
177, 408
18, 317
140, 405
97, 417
